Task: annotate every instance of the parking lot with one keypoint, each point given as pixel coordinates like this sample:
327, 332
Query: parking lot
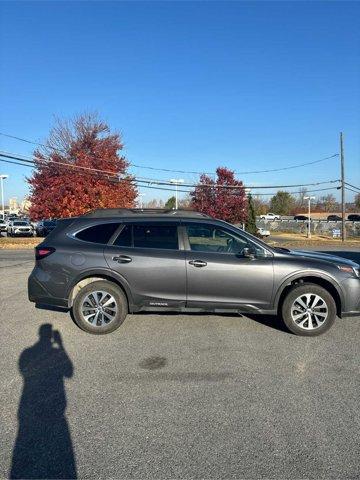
173, 396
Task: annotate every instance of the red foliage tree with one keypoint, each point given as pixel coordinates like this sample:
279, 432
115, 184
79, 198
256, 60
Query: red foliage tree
60, 189
210, 197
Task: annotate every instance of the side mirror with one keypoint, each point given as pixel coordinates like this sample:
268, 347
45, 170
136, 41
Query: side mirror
248, 252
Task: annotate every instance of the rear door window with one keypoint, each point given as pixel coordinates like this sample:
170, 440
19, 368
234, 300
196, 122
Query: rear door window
124, 239
156, 236
100, 233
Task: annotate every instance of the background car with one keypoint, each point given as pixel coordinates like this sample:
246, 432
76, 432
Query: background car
19, 228
301, 217
44, 227
262, 232
354, 217
270, 216
2, 225
334, 218
10, 218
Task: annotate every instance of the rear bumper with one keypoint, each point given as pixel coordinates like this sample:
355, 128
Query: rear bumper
38, 294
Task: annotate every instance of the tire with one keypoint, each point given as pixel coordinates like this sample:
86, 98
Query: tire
109, 318
319, 316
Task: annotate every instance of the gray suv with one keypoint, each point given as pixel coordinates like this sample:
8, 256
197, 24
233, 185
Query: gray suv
108, 263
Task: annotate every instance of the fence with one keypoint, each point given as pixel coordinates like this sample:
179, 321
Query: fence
318, 227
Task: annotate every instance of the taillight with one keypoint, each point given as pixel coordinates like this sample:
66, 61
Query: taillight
42, 252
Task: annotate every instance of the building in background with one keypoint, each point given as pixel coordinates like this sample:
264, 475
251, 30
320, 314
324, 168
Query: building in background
25, 205
13, 205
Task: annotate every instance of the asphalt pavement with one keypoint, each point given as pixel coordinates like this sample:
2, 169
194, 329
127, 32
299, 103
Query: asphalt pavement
172, 396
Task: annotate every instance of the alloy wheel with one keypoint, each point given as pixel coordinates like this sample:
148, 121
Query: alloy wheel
99, 308
309, 311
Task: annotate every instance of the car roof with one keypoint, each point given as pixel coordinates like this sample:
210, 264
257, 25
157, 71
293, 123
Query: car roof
157, 213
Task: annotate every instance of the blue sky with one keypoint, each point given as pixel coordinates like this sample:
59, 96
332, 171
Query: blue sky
191, 85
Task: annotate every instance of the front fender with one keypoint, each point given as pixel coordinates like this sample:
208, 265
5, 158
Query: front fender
307, 273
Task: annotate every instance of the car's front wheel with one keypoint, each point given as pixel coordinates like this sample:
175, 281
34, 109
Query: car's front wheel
309, 310
100, 307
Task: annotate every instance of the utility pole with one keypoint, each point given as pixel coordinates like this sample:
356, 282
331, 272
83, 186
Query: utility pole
2, 178
343, 232
309, 215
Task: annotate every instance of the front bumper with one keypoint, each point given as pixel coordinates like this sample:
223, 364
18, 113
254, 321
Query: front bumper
23, 233
351, 301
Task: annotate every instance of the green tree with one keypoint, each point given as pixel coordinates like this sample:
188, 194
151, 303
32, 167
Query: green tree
282, 203
171, 202
250, 225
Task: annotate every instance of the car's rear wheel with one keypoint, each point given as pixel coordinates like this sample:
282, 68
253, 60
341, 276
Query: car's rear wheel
308, 310
100, 307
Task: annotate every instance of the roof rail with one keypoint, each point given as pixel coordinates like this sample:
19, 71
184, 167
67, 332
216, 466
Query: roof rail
130, 212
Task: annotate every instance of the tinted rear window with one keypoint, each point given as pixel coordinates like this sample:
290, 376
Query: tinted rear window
98, 233
156, 236
124, 238
49, 223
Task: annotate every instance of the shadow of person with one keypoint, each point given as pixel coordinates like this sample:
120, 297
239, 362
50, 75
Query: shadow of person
43, 447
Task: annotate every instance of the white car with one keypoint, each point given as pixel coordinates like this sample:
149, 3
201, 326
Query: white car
263, 232
20, 228
270, 216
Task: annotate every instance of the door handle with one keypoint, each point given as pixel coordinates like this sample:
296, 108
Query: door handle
198, 263
122, 259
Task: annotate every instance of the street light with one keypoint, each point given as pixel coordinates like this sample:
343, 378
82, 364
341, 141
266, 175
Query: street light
309, 221
2, 178
140, 200
176, 182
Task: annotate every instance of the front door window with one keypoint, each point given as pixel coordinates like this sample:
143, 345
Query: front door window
212, 239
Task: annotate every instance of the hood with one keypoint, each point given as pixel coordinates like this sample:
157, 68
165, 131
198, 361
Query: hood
324, 256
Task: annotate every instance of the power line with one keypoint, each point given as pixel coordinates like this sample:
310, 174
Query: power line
29, 141
115, 178
237, 172
184, 171
157, 181
106, 178
351, 190
353, 186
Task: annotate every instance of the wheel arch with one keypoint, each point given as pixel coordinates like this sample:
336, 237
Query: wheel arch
311, 277
92, 276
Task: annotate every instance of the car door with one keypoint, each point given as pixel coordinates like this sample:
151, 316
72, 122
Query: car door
148, 257
218, 272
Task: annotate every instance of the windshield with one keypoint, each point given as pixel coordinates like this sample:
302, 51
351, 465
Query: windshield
50, 223
21, 224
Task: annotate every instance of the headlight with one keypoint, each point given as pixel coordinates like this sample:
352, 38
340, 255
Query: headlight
348, 269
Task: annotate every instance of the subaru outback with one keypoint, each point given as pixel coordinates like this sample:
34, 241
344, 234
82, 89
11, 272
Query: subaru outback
108, 263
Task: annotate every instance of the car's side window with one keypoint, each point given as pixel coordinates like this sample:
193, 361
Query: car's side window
100, 233
207, 238
156, 236
212, 239
124, 239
